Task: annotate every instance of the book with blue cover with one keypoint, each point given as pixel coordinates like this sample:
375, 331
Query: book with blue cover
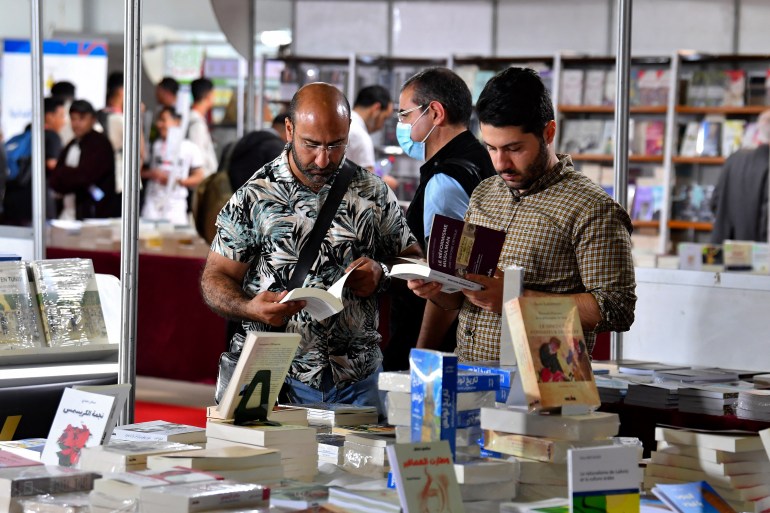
697, 497
506, 372
434, 396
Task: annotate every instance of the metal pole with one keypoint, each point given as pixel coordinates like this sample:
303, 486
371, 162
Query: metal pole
622, 68
129, 261
38, 132
250, 83
239, 117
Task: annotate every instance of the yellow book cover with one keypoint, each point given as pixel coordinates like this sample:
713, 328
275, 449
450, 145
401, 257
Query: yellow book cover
551, 352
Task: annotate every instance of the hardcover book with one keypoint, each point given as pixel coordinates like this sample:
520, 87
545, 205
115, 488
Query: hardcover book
80, 421
271, 352
550, 349
20, 323
425, 477
69, 301
604, 479
698, 497
434, 396
455, 249
161, 431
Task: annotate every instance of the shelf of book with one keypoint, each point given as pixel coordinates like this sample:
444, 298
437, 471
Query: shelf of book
718, 161
639, 223
698, 226
601, 157
609, 109
722, 109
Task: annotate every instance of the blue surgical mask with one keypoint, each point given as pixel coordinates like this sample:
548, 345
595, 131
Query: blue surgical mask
415, 149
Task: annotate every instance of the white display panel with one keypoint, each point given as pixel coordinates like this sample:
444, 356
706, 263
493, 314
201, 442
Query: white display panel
700, 318
534, 27
338, 29
84, 63
439, 29
753, 36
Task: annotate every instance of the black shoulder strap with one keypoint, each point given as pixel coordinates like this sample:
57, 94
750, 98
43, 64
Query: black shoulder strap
309, 251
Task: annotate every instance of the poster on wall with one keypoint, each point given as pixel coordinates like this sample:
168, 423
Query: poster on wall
84, 63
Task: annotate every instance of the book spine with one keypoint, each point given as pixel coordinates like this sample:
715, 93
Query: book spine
468, 418
23, 487
470, 383
505, 374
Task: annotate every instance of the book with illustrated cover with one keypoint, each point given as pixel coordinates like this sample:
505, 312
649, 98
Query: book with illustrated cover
572, 87
425, 477
698, 497
161, 431
321, 303
120, 392
262, 351
80, 421
455, 249
550, 349
604, 479
434, 396
594, 88
20, 323
69, 301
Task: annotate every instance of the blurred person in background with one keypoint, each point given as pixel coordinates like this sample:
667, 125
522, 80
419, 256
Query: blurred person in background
86, 167
198, 128
373, 106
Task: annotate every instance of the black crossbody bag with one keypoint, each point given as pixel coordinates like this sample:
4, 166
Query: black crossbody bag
307, 256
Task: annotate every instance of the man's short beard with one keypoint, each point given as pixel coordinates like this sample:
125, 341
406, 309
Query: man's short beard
314, 180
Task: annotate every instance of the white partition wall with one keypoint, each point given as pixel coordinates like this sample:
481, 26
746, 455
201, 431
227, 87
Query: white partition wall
701, 318
340, 28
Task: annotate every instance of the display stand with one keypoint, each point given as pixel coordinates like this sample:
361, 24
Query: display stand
258, 415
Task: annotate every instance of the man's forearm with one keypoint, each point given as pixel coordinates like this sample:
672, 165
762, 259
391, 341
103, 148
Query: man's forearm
436, 321
225, 296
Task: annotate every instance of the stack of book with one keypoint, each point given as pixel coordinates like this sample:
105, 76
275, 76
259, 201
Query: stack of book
365, 501
330, 448
736, 465
20, 483
22, 325
486, 480
244, 464
125, 455
710, 399
205, 496
754, 404
120, 491
541, 441
297, 444
506, 373
711, 375
30, 448
653, 395
160, 431
611, 389
365, 454
333, 414
295, 495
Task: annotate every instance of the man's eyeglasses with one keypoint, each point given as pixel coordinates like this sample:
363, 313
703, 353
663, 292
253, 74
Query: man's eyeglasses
331, 149
402, 114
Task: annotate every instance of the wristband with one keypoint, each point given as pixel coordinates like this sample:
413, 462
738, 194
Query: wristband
384, 280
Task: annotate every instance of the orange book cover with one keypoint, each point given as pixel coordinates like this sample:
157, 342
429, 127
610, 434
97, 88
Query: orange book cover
551, 352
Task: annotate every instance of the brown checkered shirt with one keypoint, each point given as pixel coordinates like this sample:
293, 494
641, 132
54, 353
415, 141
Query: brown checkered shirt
569, 236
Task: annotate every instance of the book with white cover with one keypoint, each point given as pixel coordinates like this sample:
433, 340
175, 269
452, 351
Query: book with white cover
730, 441
485, 471
80, 421
202, 496
261, 351
592, 426
712, 455
365, 501
128, 485
120, 392
122, 455
725, 469
321, 303
161, 431
221, 458
265, 436
30, 448
606, 478
425, 477
9, 459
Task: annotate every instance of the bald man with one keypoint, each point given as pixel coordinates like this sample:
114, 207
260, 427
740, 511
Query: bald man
259, 236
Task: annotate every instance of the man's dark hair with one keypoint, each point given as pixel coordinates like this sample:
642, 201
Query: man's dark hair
444, 86
52, 103
63, 90
169, 84
516, 97
114, 83
82, 107
171, 111
372, 94
280, 119
200, 87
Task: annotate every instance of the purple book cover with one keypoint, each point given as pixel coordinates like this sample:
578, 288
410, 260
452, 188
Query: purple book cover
458, 248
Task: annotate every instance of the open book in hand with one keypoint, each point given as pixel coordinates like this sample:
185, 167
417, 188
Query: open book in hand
321, 303
455, 249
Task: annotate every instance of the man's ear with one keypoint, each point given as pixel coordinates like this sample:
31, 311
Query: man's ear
437, 113
549, 132
289, 129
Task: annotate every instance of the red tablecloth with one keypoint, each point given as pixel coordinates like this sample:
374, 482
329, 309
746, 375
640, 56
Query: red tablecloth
178, 337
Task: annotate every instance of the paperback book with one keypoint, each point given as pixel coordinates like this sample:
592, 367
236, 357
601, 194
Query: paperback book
81, 420
550, 349
160, 431
321, 303
455, 249
20, 323
698, 497
434, 396
604, 479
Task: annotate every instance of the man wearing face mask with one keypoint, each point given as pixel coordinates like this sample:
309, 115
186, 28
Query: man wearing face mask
434, 113
570, 237
260, 234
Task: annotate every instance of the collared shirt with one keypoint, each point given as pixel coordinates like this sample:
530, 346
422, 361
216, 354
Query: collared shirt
265, 224
360, 145
569, 236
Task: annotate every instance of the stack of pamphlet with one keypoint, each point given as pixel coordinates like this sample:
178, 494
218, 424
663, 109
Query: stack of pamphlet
244, 464
334, 414
734, 463
297, 444
125, 455
721, 399
653, 395
754, 404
